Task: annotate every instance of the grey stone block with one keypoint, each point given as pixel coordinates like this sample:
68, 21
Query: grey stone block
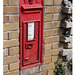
67, 10
66, 24
29, 71
68, 45
69, 57
65, 39
67, 71
71, 32
66, 52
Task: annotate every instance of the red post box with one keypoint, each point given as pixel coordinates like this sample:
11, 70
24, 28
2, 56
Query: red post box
31, 32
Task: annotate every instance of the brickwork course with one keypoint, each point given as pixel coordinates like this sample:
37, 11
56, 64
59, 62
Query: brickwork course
51, 38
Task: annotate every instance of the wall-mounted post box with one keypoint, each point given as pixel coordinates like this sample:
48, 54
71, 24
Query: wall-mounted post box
31, 32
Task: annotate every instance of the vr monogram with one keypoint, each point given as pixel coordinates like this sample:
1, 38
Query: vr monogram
30, 1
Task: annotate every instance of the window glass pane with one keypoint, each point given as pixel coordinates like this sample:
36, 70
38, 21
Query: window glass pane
31, 31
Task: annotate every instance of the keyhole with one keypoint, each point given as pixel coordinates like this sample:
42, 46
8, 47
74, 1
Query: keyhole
26, 1
37, 1
31, 1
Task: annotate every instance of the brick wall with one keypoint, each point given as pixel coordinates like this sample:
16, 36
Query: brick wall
52, 18
11, 37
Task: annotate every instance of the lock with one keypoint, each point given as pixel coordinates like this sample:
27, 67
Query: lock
28, 46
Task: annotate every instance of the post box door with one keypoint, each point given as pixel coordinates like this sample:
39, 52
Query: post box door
30, 43
31, 32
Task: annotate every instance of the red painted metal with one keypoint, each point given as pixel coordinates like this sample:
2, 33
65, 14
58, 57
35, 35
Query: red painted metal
31, 51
